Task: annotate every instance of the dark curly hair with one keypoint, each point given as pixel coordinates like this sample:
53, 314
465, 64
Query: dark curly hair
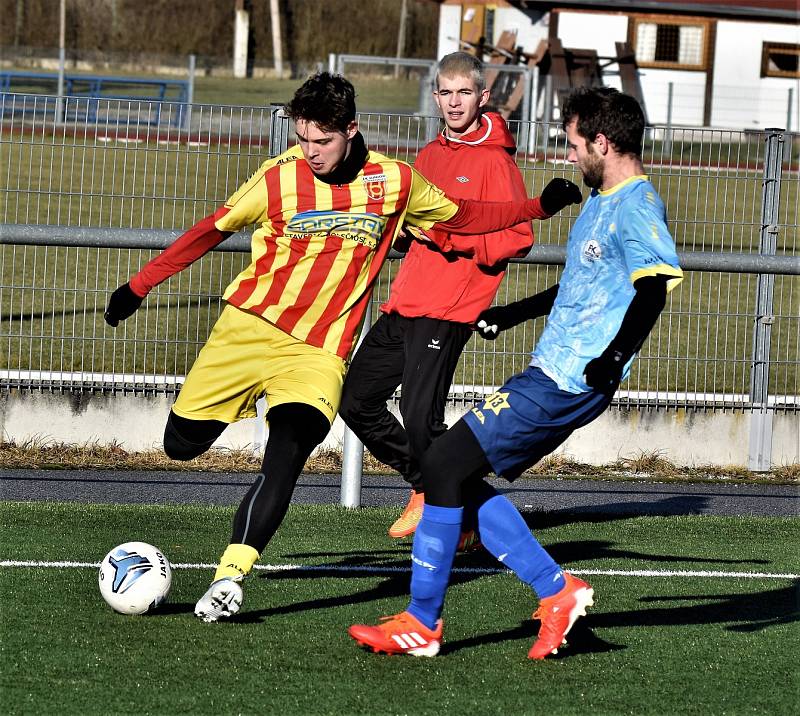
604, 110
327, 100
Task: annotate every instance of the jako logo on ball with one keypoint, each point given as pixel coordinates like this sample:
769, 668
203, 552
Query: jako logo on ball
134, 578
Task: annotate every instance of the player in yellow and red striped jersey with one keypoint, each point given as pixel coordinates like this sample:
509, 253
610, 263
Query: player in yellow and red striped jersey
327, 212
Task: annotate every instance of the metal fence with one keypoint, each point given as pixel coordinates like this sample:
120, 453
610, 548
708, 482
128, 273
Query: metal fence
83, 207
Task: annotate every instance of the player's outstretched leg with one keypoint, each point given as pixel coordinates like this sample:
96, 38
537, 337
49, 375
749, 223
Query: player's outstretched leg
562, 597
558, 613
295, 430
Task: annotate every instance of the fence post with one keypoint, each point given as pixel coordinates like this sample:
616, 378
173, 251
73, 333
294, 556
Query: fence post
60, 109
189, 95
352, 447
278, 131
760, 453
427, 108
668, 132
525, 78
547, 116
789, 109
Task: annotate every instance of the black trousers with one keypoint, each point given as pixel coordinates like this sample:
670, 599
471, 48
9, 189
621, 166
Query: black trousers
422, 355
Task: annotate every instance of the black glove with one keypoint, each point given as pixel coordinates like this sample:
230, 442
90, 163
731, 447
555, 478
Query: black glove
501, 318
491, 322
604, 372
122, 304
403, 241
558, 194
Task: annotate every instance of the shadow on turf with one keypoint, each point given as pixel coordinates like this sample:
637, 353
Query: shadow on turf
562, 552
740, 612
677, 506
583, 550
580, 640
743, 613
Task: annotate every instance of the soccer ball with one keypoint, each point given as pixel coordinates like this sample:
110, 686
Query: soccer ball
135, 578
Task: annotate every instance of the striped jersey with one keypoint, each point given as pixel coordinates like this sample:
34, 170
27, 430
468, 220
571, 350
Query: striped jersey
319, 247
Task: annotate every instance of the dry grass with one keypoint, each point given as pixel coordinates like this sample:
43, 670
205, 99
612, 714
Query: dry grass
563, 466
788, 473
647, 464
46, 454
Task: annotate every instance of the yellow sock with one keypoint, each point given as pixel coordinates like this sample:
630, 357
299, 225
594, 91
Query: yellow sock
236, 562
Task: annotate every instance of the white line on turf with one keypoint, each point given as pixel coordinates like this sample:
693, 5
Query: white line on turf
377, 569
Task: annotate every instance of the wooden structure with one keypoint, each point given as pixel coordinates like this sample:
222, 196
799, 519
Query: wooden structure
568, 67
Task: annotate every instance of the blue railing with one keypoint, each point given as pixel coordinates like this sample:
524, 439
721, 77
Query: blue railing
94, 98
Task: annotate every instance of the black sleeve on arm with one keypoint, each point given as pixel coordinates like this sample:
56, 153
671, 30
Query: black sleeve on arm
641, 316
605, 371
534, 306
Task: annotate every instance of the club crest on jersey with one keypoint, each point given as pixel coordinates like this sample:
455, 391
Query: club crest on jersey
592, 250
375, 185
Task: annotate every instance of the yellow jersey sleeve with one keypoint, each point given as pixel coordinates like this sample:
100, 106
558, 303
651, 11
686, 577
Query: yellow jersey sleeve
427, 203
248, 204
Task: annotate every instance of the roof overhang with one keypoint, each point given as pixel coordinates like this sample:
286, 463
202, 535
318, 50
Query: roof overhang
765, 10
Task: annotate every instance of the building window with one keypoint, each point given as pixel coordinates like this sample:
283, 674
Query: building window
780, 59
673, 43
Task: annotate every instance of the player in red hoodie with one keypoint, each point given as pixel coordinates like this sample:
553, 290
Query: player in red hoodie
440, 290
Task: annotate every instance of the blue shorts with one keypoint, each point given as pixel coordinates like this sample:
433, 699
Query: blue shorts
528, 418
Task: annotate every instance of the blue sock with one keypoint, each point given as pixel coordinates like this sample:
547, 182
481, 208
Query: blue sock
504, 533
432, 554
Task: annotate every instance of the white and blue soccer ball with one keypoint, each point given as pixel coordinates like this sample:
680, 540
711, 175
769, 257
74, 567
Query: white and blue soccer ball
135, 578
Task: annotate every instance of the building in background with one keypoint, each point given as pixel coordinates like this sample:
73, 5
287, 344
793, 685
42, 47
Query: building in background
720, 64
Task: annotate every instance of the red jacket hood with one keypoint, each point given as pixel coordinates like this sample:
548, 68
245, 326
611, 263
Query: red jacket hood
493, 130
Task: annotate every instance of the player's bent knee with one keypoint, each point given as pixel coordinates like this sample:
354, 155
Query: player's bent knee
451, 459
310, 425
176, 448
349, 408
358, 413
186, 439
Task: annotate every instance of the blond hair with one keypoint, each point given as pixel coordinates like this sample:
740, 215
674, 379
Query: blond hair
461, 64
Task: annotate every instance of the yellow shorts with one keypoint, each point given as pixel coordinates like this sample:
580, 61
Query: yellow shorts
246, 358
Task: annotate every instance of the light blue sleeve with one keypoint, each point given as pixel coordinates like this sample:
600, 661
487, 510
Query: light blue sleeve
647, 244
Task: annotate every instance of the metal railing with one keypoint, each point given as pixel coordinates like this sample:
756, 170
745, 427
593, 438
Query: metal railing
83, 207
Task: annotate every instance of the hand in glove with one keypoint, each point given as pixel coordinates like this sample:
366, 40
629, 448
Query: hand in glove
558, 194
122, 304
491, 322
604, 372
501, 318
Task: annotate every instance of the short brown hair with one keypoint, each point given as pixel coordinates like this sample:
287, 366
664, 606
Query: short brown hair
327, 100
604, 110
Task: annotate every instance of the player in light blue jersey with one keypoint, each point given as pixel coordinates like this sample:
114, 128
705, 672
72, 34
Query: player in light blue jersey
621, 263
620, 237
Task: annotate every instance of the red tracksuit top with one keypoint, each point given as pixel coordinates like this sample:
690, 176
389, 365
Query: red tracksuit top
459, 283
